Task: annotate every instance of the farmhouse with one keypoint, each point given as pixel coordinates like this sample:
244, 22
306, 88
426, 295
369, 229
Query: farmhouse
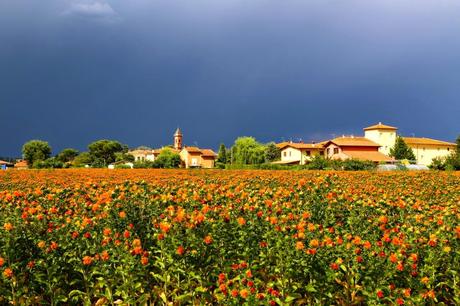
374, 146
299, 153
425, 149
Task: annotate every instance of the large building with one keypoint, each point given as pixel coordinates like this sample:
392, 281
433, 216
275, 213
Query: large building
360, 148
374, 146
425, 149
191, 157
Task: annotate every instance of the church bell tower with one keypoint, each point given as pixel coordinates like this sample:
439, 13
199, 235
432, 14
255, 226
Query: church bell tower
178, 139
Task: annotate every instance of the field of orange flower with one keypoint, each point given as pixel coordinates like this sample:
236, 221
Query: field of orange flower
229, 237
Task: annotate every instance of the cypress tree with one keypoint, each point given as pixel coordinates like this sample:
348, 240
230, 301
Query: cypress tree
401, 150
222, 154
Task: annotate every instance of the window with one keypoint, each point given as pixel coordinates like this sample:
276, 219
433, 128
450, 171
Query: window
336, 150
194, 162
290, 153
448, 149
284, 154
308, 153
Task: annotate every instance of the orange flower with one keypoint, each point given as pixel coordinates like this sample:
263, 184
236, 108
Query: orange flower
180, 250
248, 274
299, 245
393, 258
105, 255
54, 245
122, 214
314, 243
107, 231
41, 244
367, 245
8, 273
87, 260
425, 280
241, 221
244, 293
165, 227
136, 242
407, 292
207, 239
8, 226
2, 261
144, 260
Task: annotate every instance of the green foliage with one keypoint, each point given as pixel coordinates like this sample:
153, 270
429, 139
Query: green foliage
143, 164
401, 150
450, 162
84, 158
438, 163
272, 152
222, 157
357, 165
318, 163
36, 150
167, 159
247, 151
121, 156
67, 155
50, 163
103, 152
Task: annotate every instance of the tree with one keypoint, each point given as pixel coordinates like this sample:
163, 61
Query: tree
167, 159
272, 152
221, 156
126, 157
103, 151
247, 150
401, 150
84, 158
67, 155
36, 150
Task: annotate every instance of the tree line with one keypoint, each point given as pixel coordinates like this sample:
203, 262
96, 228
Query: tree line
245, 152
100, 154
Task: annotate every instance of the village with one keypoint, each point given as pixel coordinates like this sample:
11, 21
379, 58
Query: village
374, 146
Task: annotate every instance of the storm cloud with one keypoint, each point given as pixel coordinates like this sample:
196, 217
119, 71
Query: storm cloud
76, 71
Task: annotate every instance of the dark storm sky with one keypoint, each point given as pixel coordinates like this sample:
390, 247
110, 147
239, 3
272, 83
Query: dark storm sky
73, 71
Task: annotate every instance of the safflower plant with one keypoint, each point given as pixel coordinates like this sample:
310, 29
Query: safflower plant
98, 237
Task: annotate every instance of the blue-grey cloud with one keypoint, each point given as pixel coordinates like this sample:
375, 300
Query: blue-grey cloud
91, 9
219, 69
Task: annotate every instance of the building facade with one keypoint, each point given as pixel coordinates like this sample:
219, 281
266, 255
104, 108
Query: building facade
360, 148
374, 146
425, 149
298, 153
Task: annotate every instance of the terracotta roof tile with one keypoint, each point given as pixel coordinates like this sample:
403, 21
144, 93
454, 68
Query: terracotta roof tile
354, 141
299, 145
208, 153
192, 149
380, 126
412, 141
